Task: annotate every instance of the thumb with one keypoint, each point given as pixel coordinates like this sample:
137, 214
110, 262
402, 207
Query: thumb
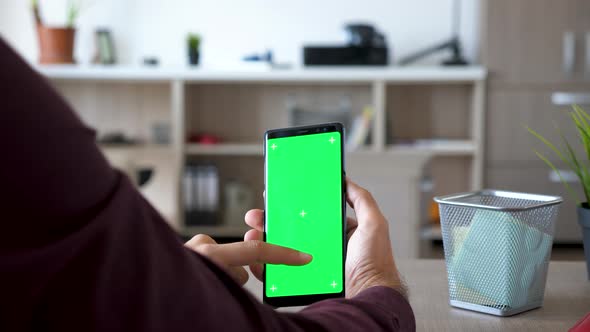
364, 205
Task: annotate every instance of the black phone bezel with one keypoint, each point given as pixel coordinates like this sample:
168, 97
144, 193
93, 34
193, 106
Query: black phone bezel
301, 300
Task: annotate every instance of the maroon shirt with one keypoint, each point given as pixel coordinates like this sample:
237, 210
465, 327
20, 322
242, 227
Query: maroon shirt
82, 250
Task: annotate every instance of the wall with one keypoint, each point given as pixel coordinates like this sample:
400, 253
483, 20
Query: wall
233, 28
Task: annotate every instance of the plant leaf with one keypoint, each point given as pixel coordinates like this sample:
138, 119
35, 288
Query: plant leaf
580, 170
580, 167
584, 134
551, 146
567, 186
578, 109
572, 155
579, 116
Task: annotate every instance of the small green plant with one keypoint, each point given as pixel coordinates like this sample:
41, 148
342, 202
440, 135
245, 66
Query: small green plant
73, 10
194, 41
35, 7
581, 119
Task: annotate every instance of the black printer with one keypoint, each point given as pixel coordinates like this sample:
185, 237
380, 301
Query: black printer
366, 47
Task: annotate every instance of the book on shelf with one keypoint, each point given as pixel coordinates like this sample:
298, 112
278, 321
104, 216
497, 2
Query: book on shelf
201, 194
360, 130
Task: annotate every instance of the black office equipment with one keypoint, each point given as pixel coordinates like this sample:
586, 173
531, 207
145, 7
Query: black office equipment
366, 47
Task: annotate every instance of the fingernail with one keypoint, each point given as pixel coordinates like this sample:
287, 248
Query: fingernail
305, 256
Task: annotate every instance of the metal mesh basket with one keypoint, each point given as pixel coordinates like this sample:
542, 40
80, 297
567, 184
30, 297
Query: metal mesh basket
497, 246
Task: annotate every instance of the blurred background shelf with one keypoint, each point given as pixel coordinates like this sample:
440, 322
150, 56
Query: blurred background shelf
439, 110
235, 149
135, 148
435, 147
219, 231
336, 75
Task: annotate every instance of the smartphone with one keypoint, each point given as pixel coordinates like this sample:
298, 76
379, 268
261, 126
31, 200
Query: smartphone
305, 209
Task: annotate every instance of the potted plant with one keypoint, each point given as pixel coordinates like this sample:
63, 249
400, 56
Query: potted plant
56, 44
193, 43
580, 165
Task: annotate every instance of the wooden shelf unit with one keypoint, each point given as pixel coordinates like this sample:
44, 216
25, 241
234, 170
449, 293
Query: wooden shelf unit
224, 149
240, 105
332, 75
225, 231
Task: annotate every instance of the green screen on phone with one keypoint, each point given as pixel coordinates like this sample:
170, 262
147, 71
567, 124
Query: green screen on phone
304, 211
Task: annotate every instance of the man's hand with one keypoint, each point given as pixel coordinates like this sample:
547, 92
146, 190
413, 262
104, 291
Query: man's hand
233, 256
369, 260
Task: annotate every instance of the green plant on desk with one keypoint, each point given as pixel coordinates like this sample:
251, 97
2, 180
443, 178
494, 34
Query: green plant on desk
579, 165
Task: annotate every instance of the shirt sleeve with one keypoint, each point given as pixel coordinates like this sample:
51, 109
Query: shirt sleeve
81, 249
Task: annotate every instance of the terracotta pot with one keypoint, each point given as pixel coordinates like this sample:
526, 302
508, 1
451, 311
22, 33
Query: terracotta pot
56, 45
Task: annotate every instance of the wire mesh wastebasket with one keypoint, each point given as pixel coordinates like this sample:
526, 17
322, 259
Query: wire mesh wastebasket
497, 247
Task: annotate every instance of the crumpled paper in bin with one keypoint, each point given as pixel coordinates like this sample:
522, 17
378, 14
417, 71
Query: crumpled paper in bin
498, 260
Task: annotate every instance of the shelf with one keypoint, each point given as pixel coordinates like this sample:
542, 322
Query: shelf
134, 148
431, 232
216, 231
337, 75
238, 149
435, 148
202, 88
138, 153
438, 148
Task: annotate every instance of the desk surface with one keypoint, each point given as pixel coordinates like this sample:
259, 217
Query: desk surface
567, 300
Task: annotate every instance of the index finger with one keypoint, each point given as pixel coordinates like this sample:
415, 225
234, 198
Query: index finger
250, 252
